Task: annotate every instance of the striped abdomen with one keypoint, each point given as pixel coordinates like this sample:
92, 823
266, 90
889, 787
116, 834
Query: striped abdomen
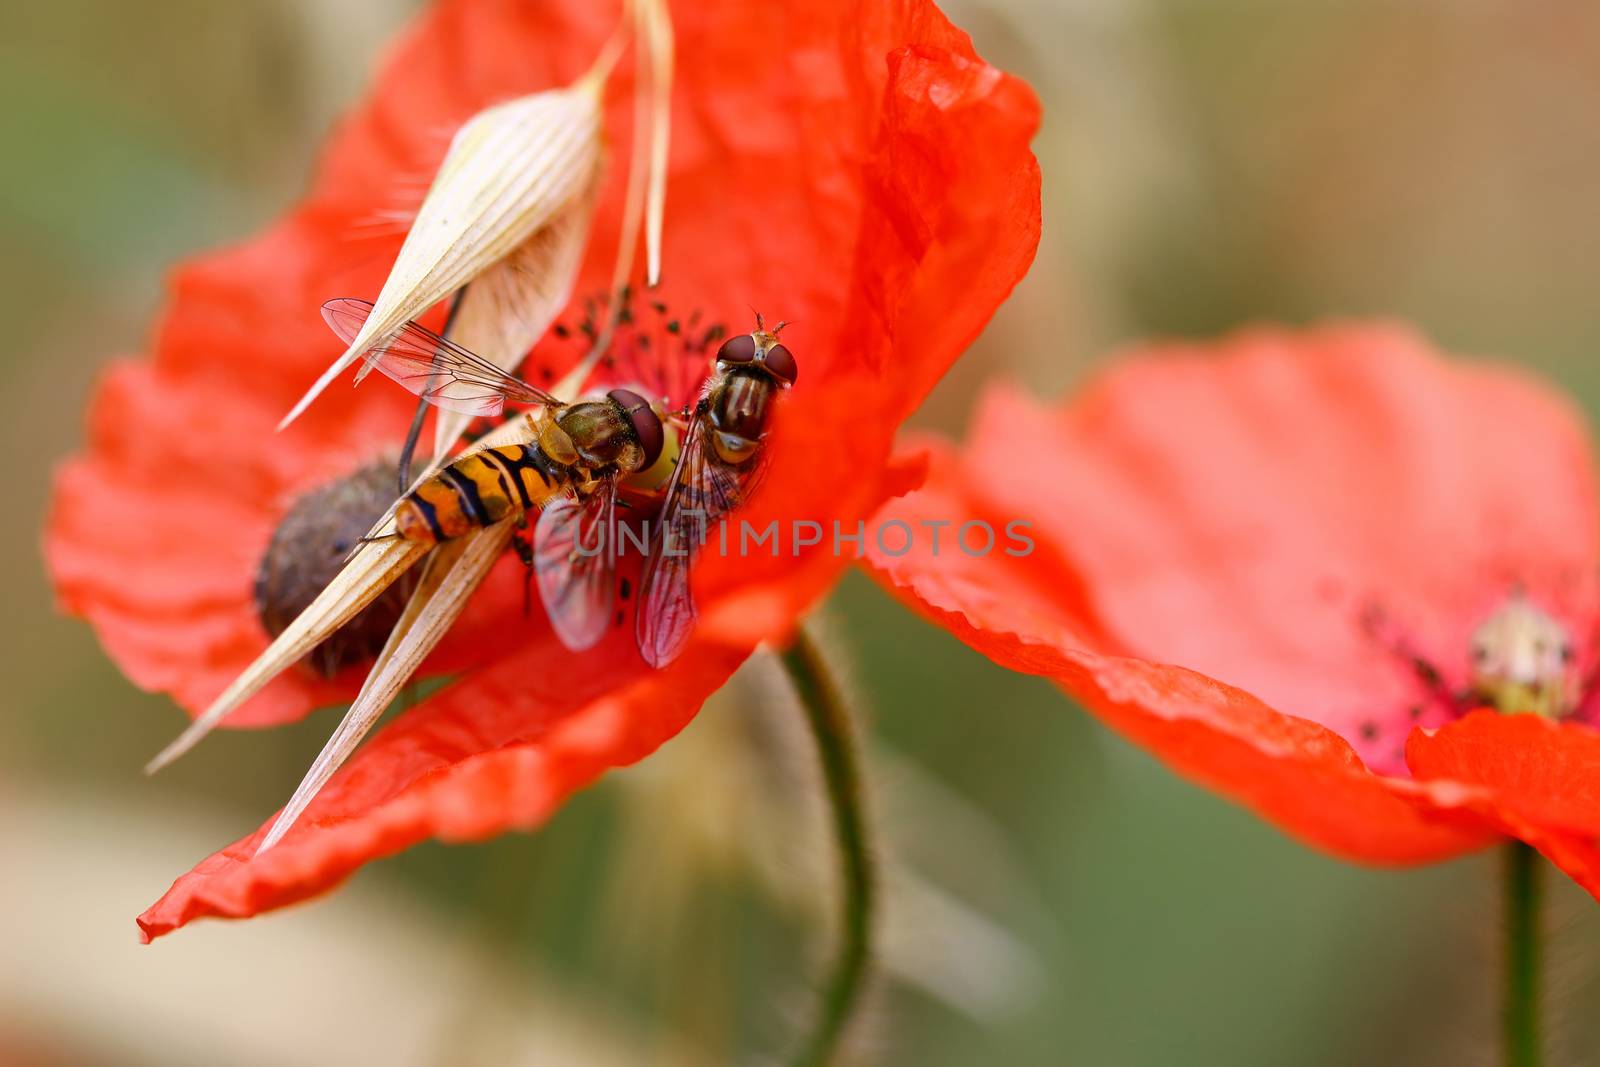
478, 490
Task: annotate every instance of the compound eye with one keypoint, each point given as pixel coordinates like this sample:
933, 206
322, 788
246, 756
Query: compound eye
646, 424
740, 349
780, 361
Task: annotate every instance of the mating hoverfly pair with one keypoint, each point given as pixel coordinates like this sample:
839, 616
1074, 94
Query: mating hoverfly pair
577, 466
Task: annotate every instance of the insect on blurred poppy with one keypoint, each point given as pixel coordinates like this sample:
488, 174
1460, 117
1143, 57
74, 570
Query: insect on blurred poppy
863, 174
1311, 571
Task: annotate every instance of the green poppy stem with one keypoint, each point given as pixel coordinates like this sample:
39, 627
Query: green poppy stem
819, 694
1524, 947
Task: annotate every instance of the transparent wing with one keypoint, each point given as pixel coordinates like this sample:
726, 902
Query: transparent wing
575, 563
703, 490
440, 371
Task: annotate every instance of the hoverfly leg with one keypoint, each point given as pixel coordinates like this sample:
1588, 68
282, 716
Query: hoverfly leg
409, 448
522, 545
376, 539
381, 539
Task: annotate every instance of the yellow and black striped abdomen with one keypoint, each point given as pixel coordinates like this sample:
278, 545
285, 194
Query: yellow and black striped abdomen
478, 490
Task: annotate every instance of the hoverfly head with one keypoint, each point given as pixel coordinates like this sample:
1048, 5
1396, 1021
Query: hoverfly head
762, 349
646, 424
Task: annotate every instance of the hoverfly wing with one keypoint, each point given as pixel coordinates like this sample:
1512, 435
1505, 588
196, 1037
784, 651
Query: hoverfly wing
438, 370
666, 611
702, 491
575, 564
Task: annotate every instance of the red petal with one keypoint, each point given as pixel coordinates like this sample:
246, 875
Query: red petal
1542, 772
1535, 779
135, 540
870, 180
498, 751
1575, 855
1237, 509
1029, 614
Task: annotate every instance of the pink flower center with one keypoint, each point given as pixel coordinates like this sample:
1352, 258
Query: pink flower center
1520, 660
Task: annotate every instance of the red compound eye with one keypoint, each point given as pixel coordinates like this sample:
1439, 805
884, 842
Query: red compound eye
740, 349
646, 424
780, 361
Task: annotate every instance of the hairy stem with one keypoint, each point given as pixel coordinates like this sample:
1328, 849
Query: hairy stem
830, 724
1524, 944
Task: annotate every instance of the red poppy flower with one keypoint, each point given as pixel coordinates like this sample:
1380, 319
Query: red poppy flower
852, 167
1267, 560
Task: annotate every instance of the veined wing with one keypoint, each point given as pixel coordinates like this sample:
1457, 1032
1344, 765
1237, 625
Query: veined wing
702, 491
575, 563
438, 370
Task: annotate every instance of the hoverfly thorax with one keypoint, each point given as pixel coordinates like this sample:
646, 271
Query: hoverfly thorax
752, 369
1522, 660
739, 409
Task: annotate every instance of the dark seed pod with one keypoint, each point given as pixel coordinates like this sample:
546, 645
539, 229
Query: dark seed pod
308, 549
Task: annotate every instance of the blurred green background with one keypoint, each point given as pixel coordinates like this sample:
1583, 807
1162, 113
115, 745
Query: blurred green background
1056, 897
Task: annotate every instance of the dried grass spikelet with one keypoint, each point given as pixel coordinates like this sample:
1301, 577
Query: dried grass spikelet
510, 206
511, 305
452, 575
511, 171
509, 212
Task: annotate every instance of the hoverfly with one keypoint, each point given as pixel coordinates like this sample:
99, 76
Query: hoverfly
721, 462
570, 474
